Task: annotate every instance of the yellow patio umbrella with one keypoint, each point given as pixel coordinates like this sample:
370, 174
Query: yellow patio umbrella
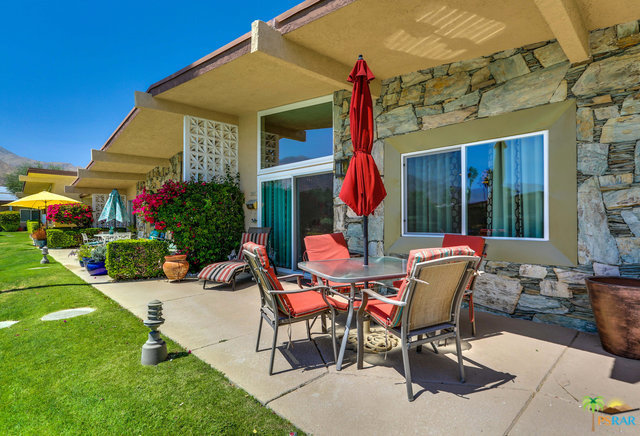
41, 200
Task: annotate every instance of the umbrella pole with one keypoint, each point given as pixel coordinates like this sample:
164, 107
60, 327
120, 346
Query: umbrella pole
365, 231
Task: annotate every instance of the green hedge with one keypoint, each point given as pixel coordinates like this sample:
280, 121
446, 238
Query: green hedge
10, 221
68, 238
32, 226
135, 258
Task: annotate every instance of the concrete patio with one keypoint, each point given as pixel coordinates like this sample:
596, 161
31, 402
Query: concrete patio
522, 377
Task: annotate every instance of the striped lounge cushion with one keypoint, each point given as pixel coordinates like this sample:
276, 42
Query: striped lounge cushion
256, 238
222, 272
390, 315
295, 305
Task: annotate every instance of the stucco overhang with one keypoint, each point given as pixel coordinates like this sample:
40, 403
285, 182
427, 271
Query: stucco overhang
307, 52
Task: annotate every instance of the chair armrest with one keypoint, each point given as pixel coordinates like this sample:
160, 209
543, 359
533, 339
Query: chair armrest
298, 277
356, 254
290, 276
373, 294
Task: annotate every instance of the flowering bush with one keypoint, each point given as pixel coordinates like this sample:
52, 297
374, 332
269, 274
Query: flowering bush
76, 213
206, 218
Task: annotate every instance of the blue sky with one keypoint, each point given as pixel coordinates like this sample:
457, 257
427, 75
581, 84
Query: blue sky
69, 69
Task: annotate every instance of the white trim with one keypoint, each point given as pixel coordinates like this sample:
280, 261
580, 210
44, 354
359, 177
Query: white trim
463, 159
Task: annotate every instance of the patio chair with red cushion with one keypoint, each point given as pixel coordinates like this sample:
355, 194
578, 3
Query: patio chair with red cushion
282, 307
477, 244
228, 270
331, 246
427, 306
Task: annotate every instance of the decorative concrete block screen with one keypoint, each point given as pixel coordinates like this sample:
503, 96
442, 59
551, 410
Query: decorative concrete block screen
270, 143
97, 204
210, 149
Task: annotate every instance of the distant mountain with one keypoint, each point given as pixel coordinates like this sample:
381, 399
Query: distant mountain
9, 161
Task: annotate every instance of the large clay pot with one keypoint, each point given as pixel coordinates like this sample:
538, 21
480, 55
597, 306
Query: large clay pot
616, 307
175, 267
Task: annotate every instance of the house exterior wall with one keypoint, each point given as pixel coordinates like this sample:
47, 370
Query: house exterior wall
248, 164
603, 92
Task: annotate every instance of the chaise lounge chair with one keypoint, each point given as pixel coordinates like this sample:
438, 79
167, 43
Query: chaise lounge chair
228, 270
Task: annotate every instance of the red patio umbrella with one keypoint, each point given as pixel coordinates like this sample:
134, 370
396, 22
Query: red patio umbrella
362, 189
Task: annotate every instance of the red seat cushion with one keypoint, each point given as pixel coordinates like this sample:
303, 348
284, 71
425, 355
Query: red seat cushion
295, 305
305, 303
381, 311
324, 247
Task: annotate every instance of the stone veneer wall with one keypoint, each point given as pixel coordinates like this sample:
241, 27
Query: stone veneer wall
606, 90
155, 179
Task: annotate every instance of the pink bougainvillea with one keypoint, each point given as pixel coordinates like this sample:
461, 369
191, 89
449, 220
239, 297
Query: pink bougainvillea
205, 218
79, 214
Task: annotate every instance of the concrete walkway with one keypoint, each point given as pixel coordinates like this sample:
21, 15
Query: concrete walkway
522, 377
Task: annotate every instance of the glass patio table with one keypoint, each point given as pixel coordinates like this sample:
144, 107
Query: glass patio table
354, 271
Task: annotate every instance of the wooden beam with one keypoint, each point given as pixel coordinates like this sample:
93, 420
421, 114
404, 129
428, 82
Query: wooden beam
86, 191
566, 23
128, 159
145, 100
296, 135
108, 175
269, 42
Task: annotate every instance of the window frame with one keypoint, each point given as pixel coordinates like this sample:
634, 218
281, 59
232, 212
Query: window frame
314, 162
463, 185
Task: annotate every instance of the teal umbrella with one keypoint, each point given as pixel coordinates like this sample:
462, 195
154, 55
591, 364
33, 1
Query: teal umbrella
114, 211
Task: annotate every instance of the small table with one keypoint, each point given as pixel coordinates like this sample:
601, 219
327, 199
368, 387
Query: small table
354, 271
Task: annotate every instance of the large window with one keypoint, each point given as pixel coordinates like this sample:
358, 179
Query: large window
504, 186
296, 135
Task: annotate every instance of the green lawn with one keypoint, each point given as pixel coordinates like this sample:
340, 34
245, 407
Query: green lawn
83, 376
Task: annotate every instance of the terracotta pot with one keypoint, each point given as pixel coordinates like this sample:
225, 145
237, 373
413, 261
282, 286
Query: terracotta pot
616, 307
175, 267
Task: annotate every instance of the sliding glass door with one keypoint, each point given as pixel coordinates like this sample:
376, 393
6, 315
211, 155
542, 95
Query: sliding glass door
276, 213
295, 207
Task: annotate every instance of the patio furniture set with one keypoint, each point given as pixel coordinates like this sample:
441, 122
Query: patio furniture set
424, 309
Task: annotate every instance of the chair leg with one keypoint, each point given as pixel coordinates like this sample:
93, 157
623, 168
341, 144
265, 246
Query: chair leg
419, 347
259, 332
204, 283
360, 351
233, 284
459, 352
323, 319
273, 347
308, 329
472, 315
407, 368
333, 334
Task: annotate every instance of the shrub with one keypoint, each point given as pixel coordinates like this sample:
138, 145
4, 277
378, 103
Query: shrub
10, 221
135, 258
206, 218
76, 213
68, 238
32, 226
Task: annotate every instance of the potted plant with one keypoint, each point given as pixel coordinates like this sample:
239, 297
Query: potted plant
84, 254
95, 265
39, 237
616, 308
175, 265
